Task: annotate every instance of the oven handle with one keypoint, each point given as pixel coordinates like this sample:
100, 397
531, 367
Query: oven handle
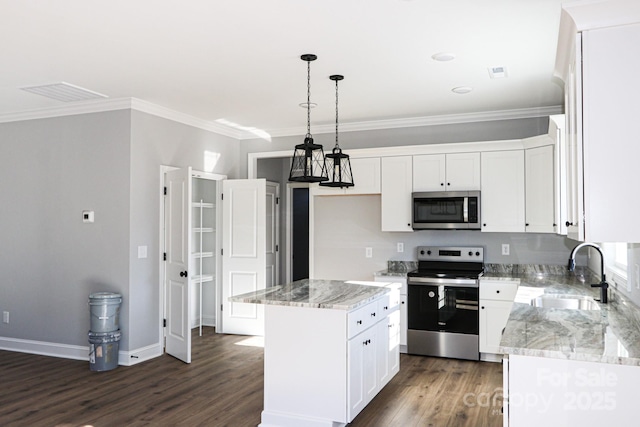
467, 307
462, 283
465, 210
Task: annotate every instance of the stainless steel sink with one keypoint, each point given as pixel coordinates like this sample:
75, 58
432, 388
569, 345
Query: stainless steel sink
573, 302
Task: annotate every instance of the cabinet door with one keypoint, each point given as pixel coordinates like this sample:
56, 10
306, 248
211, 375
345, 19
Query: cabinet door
493, 318
503, 191
363, 380
397, 178
366, 176
463, 171
429, 172
540, 190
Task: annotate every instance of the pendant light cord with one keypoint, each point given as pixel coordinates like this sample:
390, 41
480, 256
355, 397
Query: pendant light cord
337, 146
308, 98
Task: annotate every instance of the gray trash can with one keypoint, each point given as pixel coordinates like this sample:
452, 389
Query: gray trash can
105, 311
103, 350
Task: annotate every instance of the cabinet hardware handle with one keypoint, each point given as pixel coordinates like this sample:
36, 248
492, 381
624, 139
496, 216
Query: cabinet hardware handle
448, 183
386, 308
402, 302
568, 223
359, 322
183, 273
498, 291
373, 315
482, 307
442, 183
526, 225
484, 225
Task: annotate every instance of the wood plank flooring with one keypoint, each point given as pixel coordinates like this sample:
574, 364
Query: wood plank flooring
223, 387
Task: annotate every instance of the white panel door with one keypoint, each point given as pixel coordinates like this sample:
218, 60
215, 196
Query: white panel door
178, 244
243, 256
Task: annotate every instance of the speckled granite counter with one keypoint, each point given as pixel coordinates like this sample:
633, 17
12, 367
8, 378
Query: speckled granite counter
397, 269
314, 293
609, 335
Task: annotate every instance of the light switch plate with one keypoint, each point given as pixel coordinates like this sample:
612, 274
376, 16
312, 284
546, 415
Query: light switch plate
400, 247
368, 252
505, 249
88, 216
142, 251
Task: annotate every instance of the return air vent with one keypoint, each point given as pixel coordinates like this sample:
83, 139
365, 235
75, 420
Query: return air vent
64, 92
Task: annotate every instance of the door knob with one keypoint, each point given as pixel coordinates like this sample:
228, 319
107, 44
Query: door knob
183, 273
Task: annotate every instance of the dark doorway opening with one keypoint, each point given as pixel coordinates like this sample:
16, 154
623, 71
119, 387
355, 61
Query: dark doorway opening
300, 237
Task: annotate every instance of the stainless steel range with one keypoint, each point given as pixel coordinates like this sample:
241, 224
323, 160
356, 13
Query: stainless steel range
442, 299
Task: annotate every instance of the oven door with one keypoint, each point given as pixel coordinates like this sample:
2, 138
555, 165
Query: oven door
443, 307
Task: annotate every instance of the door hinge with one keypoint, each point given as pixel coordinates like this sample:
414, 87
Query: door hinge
276, 248
221, 307
165, 191
221, 251
164, 323
164, 256
277, 200
221, 196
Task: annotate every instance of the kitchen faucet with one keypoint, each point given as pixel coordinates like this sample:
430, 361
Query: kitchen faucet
603, 285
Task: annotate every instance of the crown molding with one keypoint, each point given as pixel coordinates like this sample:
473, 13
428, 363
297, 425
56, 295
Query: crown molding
521, 113
102, 105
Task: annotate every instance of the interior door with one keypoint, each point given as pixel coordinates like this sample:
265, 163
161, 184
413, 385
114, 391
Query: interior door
244, 255
178, 244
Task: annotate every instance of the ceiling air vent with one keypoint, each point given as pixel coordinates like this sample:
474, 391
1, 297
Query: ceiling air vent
64, 92
497, 72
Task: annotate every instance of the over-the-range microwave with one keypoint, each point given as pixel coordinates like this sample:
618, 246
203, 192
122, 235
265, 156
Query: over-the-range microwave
446, 210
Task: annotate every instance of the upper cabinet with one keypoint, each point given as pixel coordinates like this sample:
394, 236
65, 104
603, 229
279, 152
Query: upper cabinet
366, 179
540, 214
502, 192
446, 172
397, 181
601, 94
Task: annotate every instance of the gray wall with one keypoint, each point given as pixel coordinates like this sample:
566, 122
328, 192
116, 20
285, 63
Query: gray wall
52, 170
154, 142
345, 225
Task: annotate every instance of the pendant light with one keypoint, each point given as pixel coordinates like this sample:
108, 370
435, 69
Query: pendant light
338, 164
308, 164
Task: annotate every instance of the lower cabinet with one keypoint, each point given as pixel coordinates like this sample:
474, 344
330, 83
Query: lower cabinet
496, 300
402, 319
323, 366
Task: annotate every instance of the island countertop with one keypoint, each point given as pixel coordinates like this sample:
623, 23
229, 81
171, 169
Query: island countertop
317, 293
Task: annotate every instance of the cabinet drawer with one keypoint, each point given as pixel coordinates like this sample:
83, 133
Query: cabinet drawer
362, 318
389, 303
498, 290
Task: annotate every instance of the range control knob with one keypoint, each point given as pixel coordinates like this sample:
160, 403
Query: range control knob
421, 252
428, 252
470, 253
477, 253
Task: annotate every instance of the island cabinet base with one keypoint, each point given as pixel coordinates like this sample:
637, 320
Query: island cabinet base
559, 392
322, 366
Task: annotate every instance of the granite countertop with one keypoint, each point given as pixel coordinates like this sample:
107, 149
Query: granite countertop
609, 335
315, 293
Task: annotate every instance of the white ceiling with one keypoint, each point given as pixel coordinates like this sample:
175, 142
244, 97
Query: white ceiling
239, 60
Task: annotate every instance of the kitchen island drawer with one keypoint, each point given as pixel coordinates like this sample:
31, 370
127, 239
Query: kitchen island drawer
362, 318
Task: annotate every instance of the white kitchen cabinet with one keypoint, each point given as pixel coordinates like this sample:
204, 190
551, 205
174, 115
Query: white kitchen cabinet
496, 301
337, 357
446, 172
502, 190
397, 184
540, 214
402, 322
366, 179
601, 106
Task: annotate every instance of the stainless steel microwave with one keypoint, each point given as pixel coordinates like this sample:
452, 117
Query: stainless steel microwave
446, 210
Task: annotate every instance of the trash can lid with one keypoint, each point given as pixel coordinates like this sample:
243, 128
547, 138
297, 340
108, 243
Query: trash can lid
105, 295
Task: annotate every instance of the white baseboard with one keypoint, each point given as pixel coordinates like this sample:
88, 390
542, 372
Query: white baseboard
77, 352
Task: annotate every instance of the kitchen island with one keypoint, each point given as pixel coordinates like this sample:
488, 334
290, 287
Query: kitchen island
330, 347
570, 367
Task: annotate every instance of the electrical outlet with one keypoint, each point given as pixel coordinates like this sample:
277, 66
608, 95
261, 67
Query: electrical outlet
368, 252
400, 247
5, 317
505, 249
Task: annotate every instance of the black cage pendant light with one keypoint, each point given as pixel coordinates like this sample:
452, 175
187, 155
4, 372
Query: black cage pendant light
308, 164
338, 164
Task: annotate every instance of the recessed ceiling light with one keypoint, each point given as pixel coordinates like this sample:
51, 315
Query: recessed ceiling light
462, 89
311, 105
64, 92
497, 72
443, 56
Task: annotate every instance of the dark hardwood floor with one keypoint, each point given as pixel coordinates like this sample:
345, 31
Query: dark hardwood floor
223, 387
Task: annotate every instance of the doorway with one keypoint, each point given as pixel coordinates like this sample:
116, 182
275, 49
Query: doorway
300, 234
